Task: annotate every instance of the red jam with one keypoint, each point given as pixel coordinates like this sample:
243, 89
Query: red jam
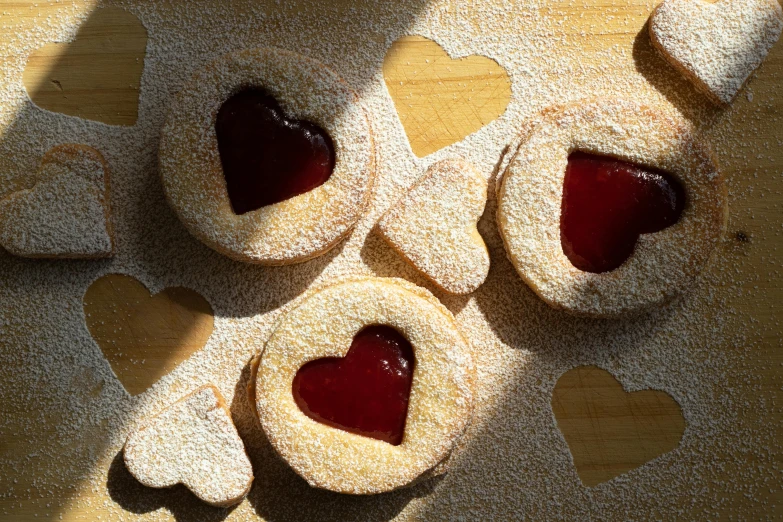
266, 157
367, 391
607, 203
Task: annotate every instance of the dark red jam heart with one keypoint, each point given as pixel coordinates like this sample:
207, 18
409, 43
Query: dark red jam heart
367, 391
266, 157
607, 203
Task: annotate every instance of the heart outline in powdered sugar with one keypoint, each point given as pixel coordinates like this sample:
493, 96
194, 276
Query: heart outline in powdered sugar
717, 46
610, 431
192, 442
144, 336
440, 100
66, 213
97, 75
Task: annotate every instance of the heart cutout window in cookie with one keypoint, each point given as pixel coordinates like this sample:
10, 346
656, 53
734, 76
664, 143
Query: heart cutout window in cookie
607, 203
366, 392
266, 156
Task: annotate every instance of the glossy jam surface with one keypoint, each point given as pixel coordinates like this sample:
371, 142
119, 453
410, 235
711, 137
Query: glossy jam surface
367, 391
266, 157
607, 203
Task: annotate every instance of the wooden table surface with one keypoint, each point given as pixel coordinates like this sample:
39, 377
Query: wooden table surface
66, 82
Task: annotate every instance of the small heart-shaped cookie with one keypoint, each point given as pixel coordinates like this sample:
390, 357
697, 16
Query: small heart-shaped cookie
67, 213
193, 442
608, 430
145, 336
434, 226
716, 45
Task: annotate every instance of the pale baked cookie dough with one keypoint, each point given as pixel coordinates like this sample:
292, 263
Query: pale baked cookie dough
67, 213
663, 264
192, 442
323, 325
290, 231
434, 226
716, 45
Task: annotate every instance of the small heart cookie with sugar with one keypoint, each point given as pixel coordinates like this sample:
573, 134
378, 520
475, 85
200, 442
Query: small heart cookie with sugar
193, 442
434, 226
67, 213
716, 45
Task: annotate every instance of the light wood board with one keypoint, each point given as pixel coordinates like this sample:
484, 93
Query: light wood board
109, 93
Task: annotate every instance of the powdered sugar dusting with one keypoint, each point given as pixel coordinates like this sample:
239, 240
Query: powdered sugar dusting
705, 350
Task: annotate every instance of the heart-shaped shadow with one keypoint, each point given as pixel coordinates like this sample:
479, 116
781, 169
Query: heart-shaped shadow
441, 100
142, 336
366, 392
608, 430
267, 157
98, 75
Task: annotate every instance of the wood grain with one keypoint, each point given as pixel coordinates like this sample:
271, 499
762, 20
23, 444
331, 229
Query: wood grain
98, 75
145, 336
434, 115
441, 99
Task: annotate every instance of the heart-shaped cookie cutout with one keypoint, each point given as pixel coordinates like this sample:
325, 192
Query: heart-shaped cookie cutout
608, 430
192, 442
96, 76
441, 100
607, 204
267, 157
716, 45
434, 226
145, 337
67, 213
366, 392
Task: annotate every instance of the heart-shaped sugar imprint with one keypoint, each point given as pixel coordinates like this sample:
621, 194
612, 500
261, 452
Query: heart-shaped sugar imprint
608, 430
266, 157
67, 213
367, 391
441, 100
98, 75
607, 203
193, 442
434, 226
716, 45
145, 337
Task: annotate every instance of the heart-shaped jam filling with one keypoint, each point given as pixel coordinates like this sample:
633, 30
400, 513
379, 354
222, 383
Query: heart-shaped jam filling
607, 203
266, 157
367, 391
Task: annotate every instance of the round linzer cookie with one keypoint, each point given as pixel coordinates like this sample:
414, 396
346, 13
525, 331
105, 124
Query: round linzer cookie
610, 207
192, 442
366, 386
267, 156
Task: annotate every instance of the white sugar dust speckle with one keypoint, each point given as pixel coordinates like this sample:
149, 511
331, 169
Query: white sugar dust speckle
64, 416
